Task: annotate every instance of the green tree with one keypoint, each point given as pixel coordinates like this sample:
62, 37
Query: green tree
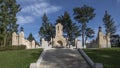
21, 29
8, 11
89, 33
109, 23
115, 40
1, 35
47, 29
70, 29
76, 32
83, 15
51, 32
65, 20
30, 37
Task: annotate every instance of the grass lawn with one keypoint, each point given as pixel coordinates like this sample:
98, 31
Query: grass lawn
109, 57
18, 58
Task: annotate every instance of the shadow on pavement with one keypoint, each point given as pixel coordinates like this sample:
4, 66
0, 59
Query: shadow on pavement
63, 58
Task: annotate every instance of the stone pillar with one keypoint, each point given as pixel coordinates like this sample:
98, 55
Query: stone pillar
108, 40
33, 44
37, 46
100, 37
59, 29
76, 41
79, 44
44, 43
14, 39
27, 43
21, 38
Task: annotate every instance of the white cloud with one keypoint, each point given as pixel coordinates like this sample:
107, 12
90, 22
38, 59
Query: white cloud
24, 19
38, 9
35, 8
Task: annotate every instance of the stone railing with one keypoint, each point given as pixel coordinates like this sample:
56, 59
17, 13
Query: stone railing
37, 64
89, 61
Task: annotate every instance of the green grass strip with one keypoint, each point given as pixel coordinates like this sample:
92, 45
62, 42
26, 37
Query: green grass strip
109, 57
18, 58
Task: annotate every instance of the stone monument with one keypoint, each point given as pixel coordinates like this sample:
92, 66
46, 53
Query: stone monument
59, 40
102, 40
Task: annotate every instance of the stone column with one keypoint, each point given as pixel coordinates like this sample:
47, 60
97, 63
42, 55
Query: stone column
14, 39
108, 40
44, 43
100, 38
33, 44
21, 38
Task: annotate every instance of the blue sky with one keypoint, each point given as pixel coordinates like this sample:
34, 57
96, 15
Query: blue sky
32, 11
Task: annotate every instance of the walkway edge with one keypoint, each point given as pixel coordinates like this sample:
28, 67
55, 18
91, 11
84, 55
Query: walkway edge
89, 61
37, 64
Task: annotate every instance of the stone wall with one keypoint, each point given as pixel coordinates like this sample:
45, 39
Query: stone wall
102, 40
18, 39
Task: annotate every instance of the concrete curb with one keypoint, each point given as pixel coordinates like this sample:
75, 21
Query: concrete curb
37, 64
89, 61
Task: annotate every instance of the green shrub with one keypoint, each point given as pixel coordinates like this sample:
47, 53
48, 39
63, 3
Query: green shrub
4, 48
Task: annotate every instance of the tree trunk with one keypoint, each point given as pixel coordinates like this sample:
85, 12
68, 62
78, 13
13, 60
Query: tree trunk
0, 42
5, 37
82, 35
10, 39
4, 41
67, 43
85, 40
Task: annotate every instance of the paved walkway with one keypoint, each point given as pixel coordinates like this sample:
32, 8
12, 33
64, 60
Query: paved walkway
63, 58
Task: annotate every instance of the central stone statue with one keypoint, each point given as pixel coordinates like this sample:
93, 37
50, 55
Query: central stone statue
59, 40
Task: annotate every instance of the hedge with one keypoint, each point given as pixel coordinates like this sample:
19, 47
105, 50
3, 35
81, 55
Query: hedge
4, 48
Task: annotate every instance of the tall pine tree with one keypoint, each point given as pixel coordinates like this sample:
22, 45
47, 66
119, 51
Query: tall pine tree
70, 29
83, 15
89, 32
8, 11
109, 23
30, 37
47, 29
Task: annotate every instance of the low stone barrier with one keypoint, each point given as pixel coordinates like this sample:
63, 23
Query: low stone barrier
89, 61
37, 64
